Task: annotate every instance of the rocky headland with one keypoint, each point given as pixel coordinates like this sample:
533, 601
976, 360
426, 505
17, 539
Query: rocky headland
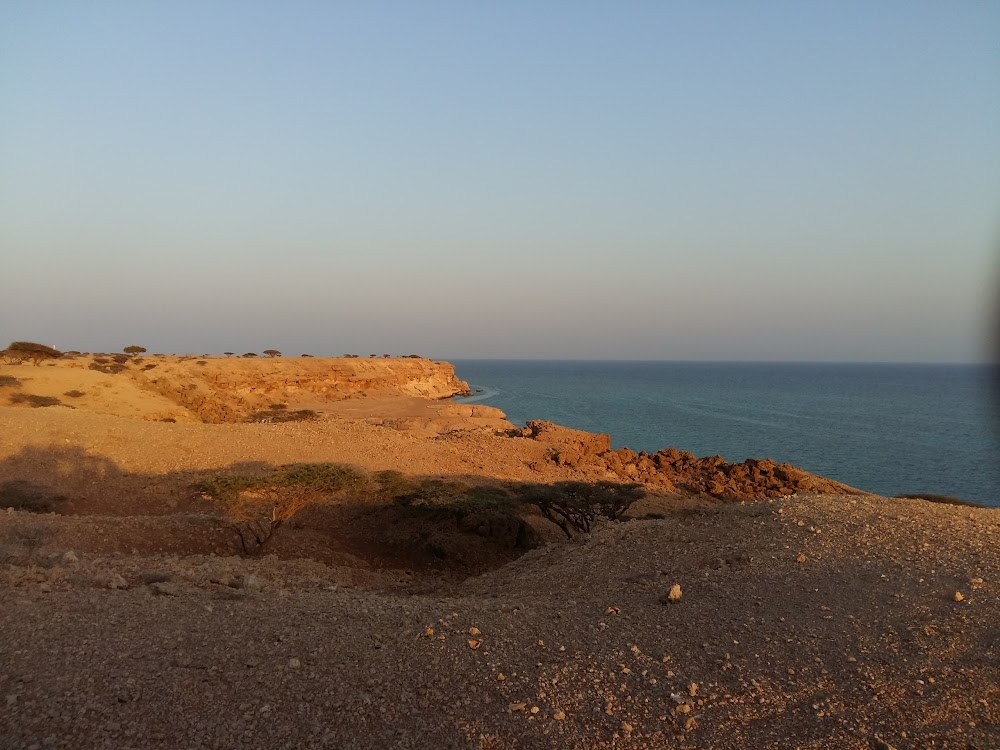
408, 588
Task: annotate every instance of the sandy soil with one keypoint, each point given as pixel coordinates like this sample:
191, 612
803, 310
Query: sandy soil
127, 618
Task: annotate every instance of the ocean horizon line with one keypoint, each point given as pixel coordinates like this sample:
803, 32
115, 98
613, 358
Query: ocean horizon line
719, 361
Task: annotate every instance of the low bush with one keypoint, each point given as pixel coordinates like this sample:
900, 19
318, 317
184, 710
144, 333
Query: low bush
27, 496
74, 393
280, 413
9, 381
101, 364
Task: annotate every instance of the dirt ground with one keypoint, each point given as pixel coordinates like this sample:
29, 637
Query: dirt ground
129, 618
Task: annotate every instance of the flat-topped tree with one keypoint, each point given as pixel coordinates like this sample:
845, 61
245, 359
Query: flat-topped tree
35, 352
134, 349
272, 352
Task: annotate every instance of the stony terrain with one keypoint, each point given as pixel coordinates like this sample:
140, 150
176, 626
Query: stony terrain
736, 608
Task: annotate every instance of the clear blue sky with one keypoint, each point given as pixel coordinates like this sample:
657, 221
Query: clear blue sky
639, 180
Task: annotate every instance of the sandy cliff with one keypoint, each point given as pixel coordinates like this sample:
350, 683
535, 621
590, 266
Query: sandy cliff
221, 389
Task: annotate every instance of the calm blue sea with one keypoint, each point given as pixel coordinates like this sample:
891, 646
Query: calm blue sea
885, 428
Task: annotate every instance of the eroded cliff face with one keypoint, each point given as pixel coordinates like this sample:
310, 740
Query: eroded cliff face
219, 389
229, 389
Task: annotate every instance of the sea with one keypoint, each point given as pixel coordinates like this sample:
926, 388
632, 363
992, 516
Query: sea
890, 429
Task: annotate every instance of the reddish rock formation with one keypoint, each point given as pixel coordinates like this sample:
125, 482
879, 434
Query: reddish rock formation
569, 447
673, 470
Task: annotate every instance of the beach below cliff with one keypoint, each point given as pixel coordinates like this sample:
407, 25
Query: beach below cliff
748, 605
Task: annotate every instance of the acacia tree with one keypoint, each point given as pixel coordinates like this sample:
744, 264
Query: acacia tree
35, 352
134, 349
272, 352
577, 505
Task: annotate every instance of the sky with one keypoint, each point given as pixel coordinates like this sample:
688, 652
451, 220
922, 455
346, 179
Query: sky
582, 180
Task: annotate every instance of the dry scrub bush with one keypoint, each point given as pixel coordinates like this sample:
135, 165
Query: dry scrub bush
259, 505
74, 393
278, 413
579, 504
100, 364
34, 401
9, 381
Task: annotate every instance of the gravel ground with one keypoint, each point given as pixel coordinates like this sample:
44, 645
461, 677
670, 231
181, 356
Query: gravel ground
812, 622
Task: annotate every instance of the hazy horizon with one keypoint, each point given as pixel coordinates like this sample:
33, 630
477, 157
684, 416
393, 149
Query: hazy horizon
645, 182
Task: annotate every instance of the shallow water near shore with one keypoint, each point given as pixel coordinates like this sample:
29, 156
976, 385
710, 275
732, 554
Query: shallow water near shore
885, 428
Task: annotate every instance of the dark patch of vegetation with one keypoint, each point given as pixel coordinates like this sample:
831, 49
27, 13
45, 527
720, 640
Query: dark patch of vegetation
9, 381
272, 352
100, 364
201, 362
229, 354
121, 359
412, 356
150, 366
250, 354
577, 505
134, 349
350, 356
34, 401
457, 497
168, 419
306, 355
22, 495
74, 393
280, 413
